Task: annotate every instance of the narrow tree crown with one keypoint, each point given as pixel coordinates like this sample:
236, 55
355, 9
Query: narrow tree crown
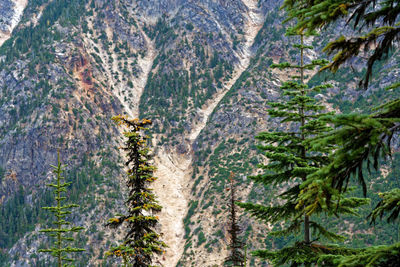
141, 241
61, 211
236, 258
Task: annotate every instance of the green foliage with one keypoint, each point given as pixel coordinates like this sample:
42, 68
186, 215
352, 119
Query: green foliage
34, 45
313, 15
2, 173
292, 159
17, 209
173, 93
4, 257
189, 26
390, 203
162, 32
141, 241
186, 221
19, 216
28, 40
201, 239
301, 253
374, 256
362, 139
60, 211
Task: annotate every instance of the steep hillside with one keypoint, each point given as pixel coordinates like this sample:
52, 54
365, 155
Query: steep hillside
59, 93
53, 98
227, 144
198, 69
202, 90
10, 15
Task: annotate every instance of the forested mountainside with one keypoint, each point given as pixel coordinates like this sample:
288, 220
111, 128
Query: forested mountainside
200, 71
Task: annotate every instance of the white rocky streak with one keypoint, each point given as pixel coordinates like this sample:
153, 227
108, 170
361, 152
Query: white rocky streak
171, 190
18, 11
254, 24
130, 97
36, 17
174, 170
145, 64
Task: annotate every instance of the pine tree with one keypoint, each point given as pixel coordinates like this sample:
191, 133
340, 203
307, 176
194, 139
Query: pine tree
236, 257
360, 138
60, 211
141, 241
377, 33
291, 160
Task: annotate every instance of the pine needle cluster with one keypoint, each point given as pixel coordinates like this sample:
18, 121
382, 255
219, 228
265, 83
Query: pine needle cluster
360, 139
364, 15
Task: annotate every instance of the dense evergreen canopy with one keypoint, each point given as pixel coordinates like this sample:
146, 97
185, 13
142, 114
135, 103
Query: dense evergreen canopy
361, 139
363, 15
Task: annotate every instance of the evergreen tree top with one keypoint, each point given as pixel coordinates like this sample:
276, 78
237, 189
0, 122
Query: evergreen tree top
137, 124
141, 240
363, 14
293, 157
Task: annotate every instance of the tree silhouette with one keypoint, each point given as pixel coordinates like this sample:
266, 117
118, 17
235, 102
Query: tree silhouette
236, 257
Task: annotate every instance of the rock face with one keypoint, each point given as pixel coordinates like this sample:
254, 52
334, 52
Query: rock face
10, 14
6, 14
198, 69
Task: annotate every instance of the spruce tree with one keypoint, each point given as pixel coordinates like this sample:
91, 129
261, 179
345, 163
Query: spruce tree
377, 33
141, 242
236, 257
60, 211
361, 139
291, 160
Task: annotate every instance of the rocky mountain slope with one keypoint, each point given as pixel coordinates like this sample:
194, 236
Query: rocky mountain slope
10, 15
198, 69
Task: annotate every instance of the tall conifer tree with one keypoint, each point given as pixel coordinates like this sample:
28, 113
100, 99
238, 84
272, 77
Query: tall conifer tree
361, 139
60, 211
291, 160
141, 241
236, 257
